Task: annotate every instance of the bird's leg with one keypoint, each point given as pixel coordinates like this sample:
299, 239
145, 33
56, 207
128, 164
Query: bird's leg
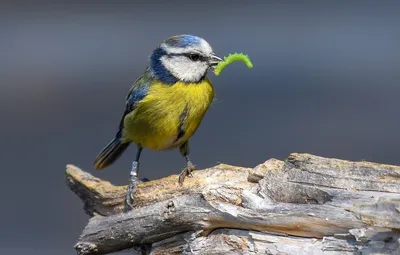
187, 171
133, 181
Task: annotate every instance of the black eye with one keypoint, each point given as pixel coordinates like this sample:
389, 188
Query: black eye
194, 57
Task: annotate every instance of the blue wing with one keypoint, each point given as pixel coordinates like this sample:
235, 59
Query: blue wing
113, 150
136, 94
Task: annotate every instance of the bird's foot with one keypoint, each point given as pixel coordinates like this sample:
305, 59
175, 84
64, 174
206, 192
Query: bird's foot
130, 193
186, 172
132, 185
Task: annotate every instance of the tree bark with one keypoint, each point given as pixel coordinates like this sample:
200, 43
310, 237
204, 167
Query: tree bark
303, 205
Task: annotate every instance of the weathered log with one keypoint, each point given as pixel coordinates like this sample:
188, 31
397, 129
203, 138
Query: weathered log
301, 205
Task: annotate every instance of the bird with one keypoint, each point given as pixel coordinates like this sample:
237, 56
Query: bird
165, 105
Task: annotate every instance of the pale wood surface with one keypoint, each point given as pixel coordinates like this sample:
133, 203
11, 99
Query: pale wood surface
303, 205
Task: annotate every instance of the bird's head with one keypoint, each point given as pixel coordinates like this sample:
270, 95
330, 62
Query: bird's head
185, 58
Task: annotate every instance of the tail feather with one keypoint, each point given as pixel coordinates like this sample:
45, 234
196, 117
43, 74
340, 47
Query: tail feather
110, 153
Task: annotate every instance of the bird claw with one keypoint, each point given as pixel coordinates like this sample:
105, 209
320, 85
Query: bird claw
186, 172
130, 193
128, 204
133, 182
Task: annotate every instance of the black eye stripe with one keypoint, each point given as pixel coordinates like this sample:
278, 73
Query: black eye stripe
191, 56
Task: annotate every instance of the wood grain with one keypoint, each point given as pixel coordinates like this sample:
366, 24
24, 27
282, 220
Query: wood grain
301, 205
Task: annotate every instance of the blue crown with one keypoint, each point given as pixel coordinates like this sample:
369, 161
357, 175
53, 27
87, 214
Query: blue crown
183, 41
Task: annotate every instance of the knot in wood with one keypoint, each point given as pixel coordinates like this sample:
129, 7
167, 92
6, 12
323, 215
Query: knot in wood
169, 210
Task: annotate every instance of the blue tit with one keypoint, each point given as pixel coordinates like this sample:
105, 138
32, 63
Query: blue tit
165, 105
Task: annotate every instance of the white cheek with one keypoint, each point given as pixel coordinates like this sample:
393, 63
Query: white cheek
184, 69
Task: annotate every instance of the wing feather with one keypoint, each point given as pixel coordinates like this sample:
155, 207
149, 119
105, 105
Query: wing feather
137, 92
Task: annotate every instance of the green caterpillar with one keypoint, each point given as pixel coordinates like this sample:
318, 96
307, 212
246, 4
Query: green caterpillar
230, 59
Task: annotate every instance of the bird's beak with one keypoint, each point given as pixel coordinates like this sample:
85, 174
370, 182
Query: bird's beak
213, 60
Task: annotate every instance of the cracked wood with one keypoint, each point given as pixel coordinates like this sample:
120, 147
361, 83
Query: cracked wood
325, 204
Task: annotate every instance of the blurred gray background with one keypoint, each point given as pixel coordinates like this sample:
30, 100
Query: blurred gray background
325, 81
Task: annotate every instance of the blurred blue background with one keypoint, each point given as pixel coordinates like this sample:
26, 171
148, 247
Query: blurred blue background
325, 81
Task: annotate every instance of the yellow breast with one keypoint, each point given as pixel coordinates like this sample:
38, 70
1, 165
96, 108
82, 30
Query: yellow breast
165, 111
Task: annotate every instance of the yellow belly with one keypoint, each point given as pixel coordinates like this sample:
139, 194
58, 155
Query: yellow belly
156, 121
